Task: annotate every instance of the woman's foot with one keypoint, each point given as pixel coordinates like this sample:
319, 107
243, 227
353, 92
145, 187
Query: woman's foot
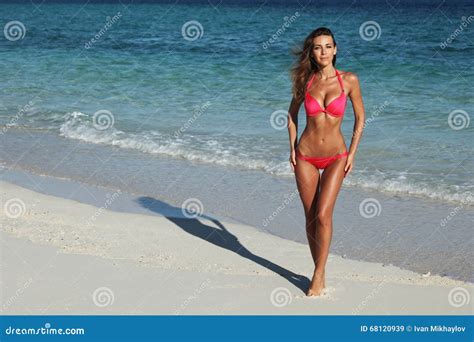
317, 285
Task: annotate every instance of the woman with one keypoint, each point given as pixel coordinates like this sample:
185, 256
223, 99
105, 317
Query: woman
324, 91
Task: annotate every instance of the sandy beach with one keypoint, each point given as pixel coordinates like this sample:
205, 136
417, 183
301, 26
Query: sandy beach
61, 256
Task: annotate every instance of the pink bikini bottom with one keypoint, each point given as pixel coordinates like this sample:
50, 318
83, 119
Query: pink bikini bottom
321, 162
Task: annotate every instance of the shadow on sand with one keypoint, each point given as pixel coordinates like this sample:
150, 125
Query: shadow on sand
220, 237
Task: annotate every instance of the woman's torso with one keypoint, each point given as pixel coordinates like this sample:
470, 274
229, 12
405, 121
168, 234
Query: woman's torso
322, 135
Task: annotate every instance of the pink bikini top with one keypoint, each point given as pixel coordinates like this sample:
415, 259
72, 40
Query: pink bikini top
335, 108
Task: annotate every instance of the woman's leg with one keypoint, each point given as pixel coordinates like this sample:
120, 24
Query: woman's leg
331, 181
307, 179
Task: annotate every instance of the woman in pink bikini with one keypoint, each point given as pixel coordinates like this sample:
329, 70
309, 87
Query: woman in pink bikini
324, 91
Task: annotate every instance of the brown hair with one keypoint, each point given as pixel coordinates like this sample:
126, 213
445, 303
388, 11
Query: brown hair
305, 64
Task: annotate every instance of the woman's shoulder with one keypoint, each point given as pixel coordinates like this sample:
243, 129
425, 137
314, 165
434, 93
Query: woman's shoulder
349, 76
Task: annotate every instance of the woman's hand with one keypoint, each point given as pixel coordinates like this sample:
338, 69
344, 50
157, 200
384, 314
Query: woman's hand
349, 164
293, 159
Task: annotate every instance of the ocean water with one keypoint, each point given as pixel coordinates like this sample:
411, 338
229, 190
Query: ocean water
209, 82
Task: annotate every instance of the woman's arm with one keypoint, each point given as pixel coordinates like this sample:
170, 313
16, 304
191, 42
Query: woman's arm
293, 122
356, 98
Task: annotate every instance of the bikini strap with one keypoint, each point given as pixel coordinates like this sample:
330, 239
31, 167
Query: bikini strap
310, 81
340, 80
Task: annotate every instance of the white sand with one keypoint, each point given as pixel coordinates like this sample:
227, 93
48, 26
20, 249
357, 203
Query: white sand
57, 260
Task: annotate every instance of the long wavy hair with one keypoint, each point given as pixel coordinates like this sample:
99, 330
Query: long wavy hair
305, 63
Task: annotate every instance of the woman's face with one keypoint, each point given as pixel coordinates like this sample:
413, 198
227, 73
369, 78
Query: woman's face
323, 50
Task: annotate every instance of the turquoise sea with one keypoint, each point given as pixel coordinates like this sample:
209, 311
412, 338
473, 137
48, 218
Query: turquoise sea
201, 82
